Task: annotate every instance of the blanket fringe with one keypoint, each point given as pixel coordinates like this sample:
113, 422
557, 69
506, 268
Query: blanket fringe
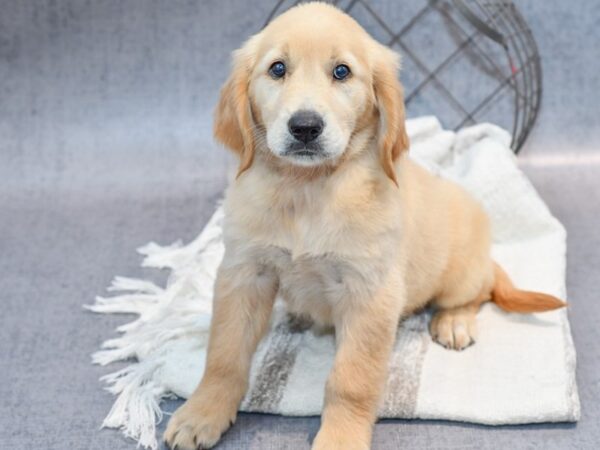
164, 314
136, 411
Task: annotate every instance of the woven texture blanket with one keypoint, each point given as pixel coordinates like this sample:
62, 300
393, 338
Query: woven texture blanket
522, 369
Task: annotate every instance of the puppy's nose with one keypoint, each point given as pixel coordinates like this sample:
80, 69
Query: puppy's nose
305, 125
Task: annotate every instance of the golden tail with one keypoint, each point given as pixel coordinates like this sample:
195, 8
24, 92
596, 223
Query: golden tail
511, 299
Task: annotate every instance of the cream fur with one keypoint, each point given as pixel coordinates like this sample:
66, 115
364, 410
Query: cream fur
352, 242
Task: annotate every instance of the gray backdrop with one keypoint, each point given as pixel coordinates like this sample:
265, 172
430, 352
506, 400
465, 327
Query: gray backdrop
105, 144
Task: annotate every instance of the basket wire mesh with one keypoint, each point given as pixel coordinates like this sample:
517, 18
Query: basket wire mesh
466, 61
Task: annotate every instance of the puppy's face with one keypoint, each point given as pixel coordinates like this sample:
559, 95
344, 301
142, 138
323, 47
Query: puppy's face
309, 88
306, 86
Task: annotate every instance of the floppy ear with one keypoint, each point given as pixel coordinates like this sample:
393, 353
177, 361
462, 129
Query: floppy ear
393, 139
233, 118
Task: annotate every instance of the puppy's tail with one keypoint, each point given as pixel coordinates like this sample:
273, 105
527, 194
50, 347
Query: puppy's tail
511, 299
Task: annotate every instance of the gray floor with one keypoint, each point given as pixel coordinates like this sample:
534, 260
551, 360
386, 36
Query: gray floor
105, 144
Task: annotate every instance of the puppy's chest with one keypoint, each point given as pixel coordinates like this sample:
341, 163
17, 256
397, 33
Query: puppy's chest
307, 281
303, 230
317, 256
309, 219
321, 247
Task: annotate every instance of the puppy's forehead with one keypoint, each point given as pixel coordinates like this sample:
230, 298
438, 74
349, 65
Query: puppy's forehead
314, 30
305, 50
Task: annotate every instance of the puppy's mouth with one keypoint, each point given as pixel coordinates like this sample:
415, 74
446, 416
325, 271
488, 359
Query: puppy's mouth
310, 150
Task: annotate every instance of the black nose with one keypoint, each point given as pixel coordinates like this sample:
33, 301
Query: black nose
305, 126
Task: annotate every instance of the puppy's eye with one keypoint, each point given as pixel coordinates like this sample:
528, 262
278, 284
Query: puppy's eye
341, 72
277, 69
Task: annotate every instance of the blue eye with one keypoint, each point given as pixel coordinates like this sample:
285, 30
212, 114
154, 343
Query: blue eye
277, 69
341, 72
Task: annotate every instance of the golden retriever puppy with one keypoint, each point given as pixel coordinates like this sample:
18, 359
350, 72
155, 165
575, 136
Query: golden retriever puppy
328, 211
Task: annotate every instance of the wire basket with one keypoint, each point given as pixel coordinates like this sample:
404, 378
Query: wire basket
466, 61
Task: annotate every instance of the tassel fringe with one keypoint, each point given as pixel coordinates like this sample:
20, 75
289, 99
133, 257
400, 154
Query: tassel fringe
182, 307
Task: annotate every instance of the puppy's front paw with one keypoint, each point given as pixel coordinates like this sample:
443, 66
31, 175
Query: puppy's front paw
197, 426
330, 439
454, 328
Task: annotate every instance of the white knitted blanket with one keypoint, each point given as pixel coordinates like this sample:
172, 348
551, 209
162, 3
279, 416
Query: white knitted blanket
522, 369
